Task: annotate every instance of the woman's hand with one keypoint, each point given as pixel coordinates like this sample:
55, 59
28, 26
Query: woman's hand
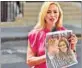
73, 40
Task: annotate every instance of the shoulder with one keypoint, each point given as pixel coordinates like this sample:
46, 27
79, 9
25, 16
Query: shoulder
35, 32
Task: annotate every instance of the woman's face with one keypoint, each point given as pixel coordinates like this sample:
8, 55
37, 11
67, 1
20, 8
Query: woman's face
52, 15
53, 47
63, 46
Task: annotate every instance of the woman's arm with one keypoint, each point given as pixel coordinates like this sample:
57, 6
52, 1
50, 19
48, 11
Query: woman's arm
32, 59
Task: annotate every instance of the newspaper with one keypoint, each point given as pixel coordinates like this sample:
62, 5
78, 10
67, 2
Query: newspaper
58, 50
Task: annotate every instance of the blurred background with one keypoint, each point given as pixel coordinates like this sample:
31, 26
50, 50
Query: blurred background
17, 18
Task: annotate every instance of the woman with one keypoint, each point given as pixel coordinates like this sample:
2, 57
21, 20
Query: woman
52, 46
50, 17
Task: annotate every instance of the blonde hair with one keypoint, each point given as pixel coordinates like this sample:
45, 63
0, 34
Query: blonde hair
43, 12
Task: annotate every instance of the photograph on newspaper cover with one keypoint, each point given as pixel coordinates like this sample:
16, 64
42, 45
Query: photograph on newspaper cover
58, 50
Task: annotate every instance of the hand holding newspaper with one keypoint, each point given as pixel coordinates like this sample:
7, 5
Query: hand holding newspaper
58, 50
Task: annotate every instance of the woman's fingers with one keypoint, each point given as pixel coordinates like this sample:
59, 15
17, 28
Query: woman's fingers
73, 39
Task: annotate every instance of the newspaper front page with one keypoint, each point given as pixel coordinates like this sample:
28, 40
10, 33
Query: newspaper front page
58, 50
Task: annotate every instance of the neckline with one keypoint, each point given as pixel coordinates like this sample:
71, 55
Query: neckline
46, 30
